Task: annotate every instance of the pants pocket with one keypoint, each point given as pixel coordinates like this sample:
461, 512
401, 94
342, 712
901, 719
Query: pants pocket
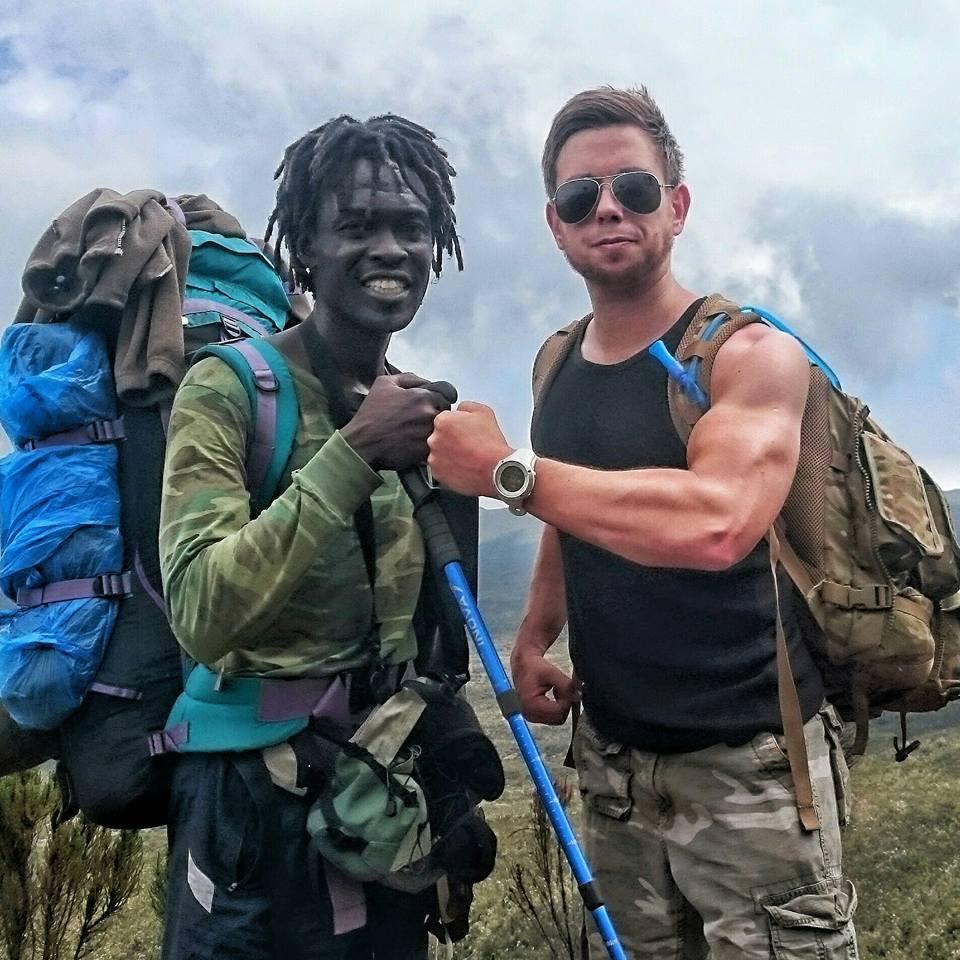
835, 732
813, 922
603, 768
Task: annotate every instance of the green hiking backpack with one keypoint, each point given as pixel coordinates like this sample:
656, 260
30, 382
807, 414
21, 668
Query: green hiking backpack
865, 535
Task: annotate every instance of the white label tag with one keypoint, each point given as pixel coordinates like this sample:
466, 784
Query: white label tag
200, 884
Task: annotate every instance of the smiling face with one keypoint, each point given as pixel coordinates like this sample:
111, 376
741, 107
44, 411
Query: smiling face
613, 247
370, 256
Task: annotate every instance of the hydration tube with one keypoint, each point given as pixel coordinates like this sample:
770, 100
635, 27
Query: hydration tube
445, 557
686, 374
812, 354
687, 379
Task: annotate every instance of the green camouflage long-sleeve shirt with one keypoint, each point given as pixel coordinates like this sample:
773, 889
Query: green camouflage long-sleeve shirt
286, 594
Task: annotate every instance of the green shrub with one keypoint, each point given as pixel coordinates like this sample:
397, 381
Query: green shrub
60, 883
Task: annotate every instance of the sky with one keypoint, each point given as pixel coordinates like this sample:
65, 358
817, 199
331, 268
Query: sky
822, 149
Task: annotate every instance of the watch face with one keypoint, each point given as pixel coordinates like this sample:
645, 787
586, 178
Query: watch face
513, 478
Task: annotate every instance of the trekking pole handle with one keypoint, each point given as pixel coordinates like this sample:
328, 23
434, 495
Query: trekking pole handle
439, 541
441, 546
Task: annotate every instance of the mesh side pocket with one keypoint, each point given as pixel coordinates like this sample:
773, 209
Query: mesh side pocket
803, 512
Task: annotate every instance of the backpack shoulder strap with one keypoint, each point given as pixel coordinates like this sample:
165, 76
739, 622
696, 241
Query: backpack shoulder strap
714, 323
553, 352
266, 377
549, 358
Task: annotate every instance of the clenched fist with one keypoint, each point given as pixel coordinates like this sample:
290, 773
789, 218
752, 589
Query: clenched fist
465, 446
391, 426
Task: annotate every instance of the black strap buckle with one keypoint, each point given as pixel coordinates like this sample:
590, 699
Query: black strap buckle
113, 585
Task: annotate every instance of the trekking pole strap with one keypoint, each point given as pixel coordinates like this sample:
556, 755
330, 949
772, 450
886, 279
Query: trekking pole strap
108, 586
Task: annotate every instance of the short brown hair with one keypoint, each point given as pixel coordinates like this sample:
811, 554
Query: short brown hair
605, 107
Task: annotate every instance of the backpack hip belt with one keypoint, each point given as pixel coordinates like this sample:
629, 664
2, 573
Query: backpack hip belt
218, 714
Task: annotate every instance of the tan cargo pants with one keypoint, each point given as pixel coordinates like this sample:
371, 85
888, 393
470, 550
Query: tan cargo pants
702, 854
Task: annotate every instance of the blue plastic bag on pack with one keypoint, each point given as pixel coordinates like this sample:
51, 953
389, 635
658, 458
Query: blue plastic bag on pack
59, 518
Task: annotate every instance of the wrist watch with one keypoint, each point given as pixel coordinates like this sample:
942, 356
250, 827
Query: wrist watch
514, 477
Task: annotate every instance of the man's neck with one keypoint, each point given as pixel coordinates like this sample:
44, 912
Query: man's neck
358, 356
626, 320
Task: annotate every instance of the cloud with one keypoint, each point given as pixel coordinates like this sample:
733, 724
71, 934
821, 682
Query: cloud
870, 284
822, 145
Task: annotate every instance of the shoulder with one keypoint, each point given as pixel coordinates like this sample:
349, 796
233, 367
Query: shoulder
760, 358
210, 381
757, 343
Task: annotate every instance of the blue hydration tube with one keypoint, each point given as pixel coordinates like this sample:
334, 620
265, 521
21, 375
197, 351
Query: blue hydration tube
686, 375
445, 556
812, 354
676, 370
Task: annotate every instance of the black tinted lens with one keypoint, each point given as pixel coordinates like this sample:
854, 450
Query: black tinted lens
575, 199
637, 191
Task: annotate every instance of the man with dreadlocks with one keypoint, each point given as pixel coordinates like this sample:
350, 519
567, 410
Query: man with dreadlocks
365, 211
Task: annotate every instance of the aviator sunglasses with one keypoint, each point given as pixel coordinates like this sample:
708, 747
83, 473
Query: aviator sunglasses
636, 190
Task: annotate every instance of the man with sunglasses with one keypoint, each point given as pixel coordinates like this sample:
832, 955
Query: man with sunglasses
654, 555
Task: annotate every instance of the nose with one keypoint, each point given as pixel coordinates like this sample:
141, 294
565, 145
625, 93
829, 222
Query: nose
386, 247
608, 208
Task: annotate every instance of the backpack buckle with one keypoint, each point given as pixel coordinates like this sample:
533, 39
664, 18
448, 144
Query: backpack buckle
112, 585
883, 598
876, 596
105, 431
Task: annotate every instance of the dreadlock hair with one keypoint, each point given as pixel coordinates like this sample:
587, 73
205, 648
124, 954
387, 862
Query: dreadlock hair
324, 158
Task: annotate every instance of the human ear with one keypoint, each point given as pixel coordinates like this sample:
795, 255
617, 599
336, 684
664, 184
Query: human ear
680, 206
554, 223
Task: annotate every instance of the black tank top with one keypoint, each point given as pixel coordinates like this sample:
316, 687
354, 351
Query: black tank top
670, 660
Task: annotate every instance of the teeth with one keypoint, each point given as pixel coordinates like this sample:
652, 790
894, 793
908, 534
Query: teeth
385, 285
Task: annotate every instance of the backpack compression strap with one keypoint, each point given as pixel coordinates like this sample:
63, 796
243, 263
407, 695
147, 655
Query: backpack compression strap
264, 373
235, 322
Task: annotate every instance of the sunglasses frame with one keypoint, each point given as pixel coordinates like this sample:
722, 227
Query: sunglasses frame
612, 179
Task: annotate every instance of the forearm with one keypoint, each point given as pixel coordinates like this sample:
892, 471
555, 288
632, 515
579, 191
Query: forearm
545, 611
656, 517
228, 577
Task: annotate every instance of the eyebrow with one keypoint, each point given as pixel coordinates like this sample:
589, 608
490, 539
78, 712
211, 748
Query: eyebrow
366, 212
593, 176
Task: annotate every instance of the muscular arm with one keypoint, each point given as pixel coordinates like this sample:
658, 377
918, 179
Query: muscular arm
546, 692
742, 456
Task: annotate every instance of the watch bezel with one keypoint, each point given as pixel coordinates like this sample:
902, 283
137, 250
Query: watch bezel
525, 459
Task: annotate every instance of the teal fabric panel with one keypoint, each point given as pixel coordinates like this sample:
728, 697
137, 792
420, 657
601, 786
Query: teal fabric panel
226, 719
234, 271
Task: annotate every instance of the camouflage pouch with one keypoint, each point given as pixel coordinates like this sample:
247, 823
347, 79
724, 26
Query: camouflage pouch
370, 819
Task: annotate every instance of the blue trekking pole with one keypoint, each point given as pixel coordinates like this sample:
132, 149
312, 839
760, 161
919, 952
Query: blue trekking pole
445, 557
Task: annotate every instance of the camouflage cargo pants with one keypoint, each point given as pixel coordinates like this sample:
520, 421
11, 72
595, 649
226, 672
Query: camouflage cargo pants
702, 854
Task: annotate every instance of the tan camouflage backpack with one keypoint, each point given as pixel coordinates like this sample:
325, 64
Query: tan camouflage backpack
865, 535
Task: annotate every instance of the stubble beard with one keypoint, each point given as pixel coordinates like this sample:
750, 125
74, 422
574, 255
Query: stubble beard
632, 278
